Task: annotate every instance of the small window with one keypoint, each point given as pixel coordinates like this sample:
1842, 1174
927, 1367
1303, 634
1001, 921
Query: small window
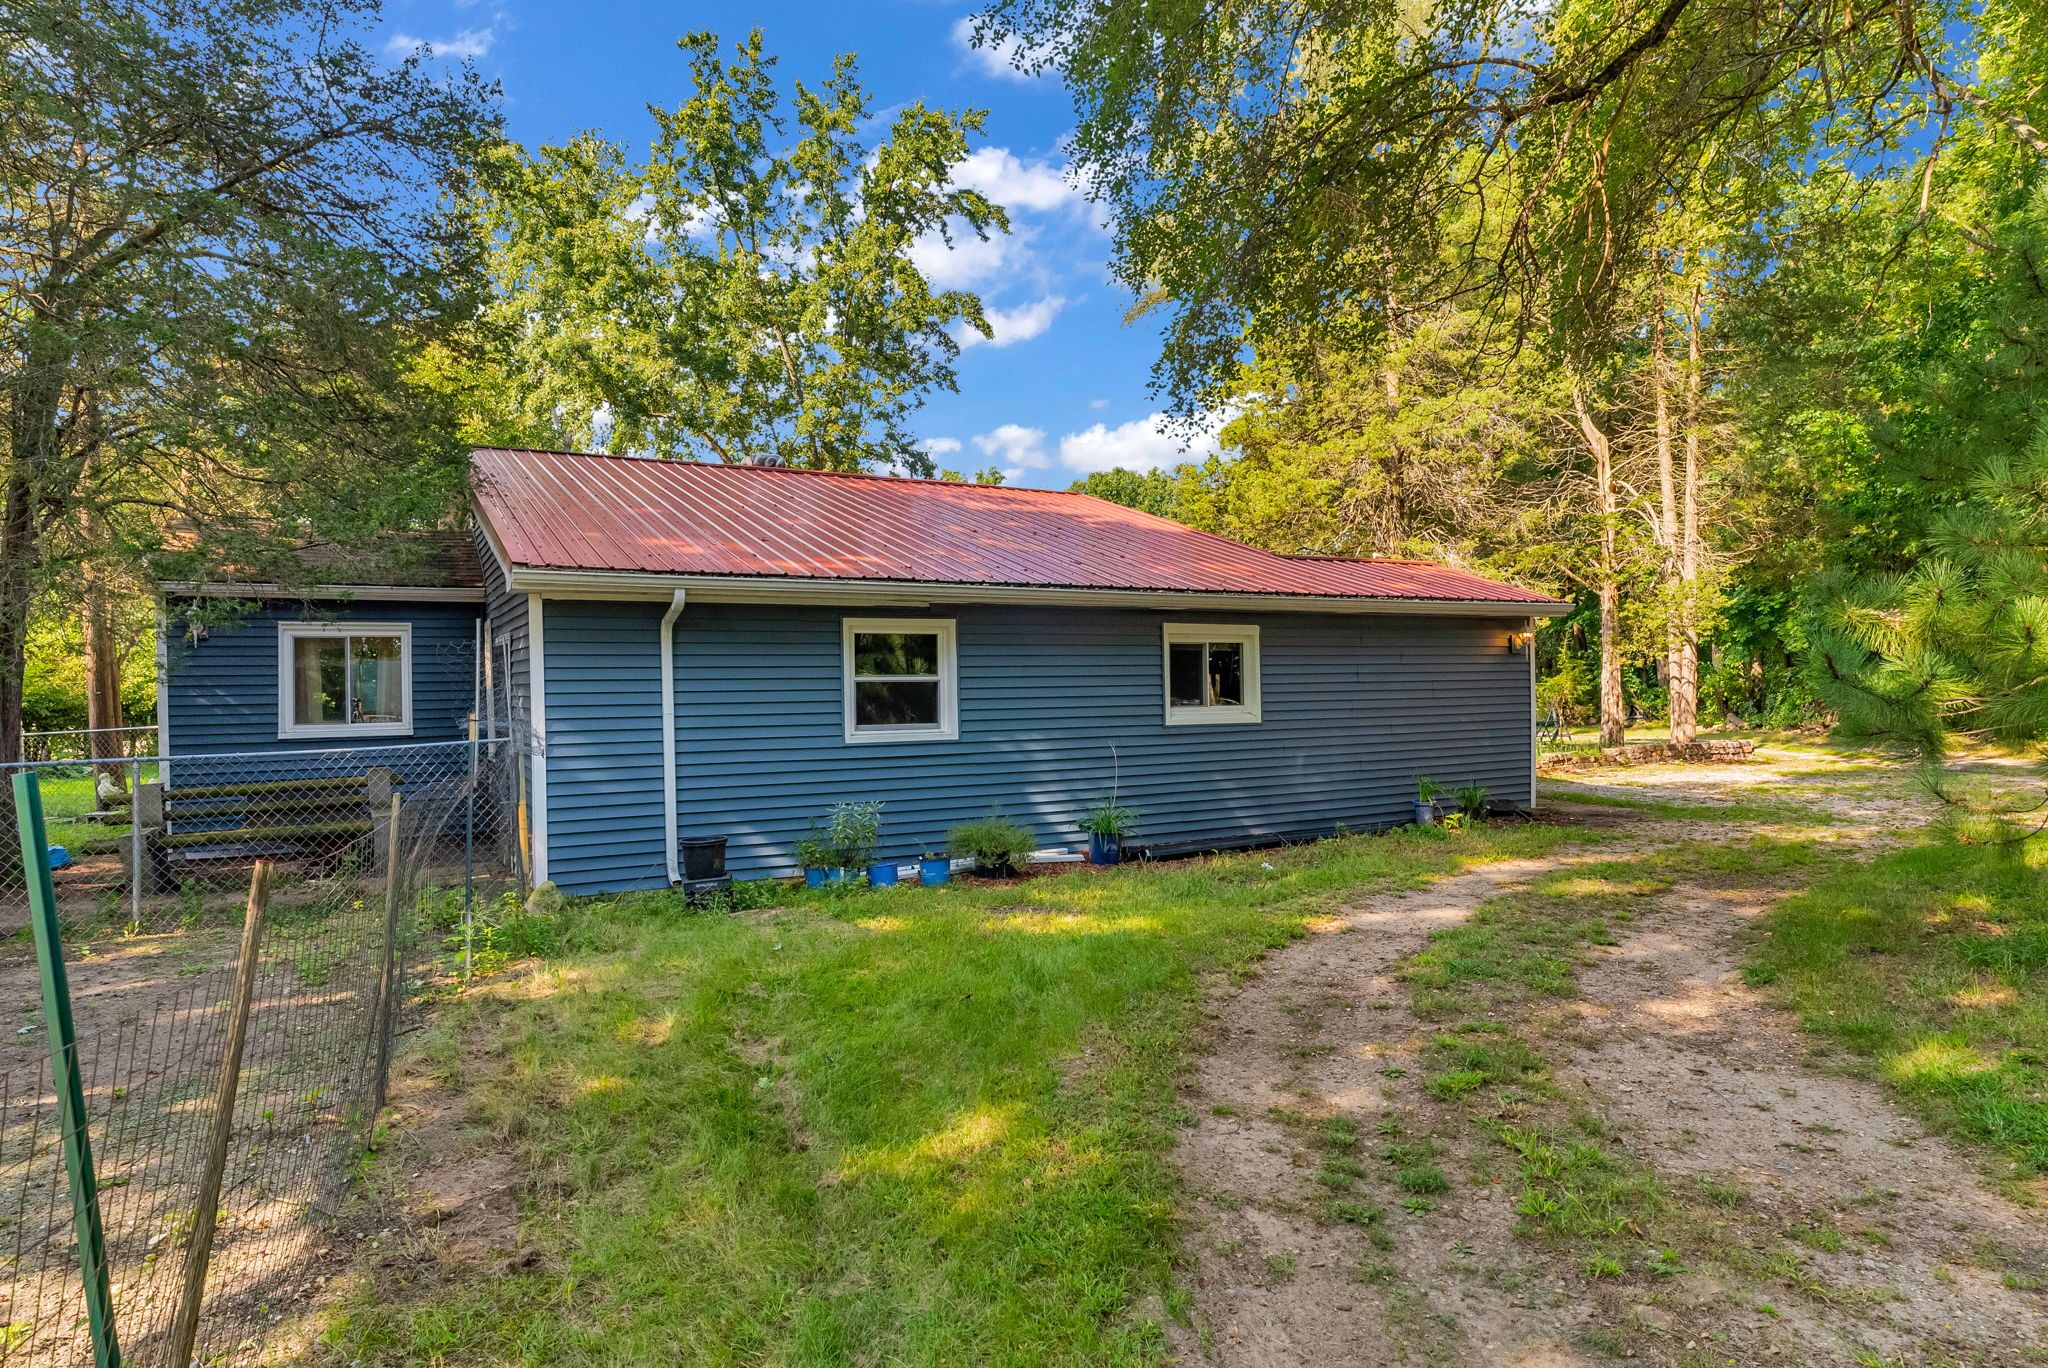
1212, 674
344, 679
900, 680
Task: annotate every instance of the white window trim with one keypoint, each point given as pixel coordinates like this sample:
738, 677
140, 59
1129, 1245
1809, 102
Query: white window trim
289, 632
949, 679
1202, 715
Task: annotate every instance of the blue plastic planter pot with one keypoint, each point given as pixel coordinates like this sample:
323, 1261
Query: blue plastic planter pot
814, 877
1425, 813
881, 876
1105, 850
932, 873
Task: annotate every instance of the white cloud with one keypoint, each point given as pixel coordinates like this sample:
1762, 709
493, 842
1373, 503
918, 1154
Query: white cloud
940, 446
1015, 447
1098, 403
968, 262
996, 59
1142, 444
1020, 324
1016, 184
467, 45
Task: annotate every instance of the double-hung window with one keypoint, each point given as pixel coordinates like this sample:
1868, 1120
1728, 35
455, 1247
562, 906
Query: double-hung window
344, 679
1212, 674
900, 680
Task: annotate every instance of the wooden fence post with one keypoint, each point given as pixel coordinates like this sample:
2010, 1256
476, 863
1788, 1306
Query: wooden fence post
64, 1071
386, 980
185, 1329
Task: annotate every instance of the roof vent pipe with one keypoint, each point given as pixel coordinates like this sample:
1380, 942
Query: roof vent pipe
668, 737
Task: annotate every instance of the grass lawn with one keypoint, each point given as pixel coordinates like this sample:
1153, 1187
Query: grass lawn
910, 1126
1931, 964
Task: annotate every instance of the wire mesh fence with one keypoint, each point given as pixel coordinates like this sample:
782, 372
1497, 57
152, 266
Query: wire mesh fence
383, 861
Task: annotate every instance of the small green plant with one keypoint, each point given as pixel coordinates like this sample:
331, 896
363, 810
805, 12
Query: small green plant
814, 848
1472, 800
856, 832
995, 844
1427, 790
1422, 1178
1105, 818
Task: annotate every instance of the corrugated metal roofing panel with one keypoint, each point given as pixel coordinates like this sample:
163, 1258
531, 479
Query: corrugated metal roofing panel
574, 511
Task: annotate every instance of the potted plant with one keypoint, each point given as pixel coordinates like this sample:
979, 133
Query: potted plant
997, 846
1107, 825
814, 856
934, 868
1472, 800
1427, 791
856, 832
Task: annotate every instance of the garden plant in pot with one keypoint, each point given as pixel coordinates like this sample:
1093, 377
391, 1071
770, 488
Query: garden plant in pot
934, 867
1427, 791
1107, 825
997, 846
856, 835
815, 856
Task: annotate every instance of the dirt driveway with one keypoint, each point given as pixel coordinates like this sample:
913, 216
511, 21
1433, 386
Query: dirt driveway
1821, 1223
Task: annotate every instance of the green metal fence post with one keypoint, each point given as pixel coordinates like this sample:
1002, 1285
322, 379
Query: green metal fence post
85, 1195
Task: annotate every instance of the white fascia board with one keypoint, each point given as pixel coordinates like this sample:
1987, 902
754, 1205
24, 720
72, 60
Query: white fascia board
626, 584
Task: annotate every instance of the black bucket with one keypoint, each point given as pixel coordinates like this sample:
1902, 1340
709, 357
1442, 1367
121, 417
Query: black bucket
703, 857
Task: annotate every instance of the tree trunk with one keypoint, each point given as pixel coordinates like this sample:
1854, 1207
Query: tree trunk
1613, 705
1685, 681
1667, 509
102, 684
32, 434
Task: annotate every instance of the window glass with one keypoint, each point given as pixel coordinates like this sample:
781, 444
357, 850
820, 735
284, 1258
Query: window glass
1184, 674
378, 679
342, 679
896, 704
898, 680
896, 653
1226, 674
319, 680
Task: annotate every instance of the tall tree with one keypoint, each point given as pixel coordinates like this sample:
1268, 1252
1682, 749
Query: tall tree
743, 295
220, 245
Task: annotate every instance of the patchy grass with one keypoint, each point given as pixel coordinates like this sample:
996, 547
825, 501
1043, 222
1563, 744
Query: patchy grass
1769, 814
912, 1126
1930, 965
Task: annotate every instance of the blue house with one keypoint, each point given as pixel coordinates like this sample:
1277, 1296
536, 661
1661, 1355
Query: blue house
691, 650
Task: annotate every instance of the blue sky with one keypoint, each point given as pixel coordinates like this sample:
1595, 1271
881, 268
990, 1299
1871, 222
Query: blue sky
1063, 389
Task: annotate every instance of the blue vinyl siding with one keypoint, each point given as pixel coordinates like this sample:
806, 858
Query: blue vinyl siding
1353, 708
223, 688
603, 745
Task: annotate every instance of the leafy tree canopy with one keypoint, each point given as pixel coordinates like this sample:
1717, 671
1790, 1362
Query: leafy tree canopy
742, 295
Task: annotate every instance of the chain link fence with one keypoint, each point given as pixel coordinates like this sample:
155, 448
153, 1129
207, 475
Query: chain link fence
387, 867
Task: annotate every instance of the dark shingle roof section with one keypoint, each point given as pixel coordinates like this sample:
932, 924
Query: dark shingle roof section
572, 511
403, 560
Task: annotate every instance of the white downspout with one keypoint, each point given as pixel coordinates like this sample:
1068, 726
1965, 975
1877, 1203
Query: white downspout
668, 737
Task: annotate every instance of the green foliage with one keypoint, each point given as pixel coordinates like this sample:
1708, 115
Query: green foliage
994, 843
1151, 491
1427, 790
738, 296
226, 250
1105, 818
1472, 800
854, 834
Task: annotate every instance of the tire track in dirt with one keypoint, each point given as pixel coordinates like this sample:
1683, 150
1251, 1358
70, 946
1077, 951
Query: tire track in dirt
1698, 1077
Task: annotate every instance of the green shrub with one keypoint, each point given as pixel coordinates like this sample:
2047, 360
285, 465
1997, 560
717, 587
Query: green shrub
1105, 818
994, 843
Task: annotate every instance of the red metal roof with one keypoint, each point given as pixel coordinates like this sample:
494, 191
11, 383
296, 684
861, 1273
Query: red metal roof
573, 511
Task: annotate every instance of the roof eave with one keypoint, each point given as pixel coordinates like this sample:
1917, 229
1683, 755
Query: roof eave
634, 584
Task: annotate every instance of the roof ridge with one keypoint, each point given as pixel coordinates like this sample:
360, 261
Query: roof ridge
730, 466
